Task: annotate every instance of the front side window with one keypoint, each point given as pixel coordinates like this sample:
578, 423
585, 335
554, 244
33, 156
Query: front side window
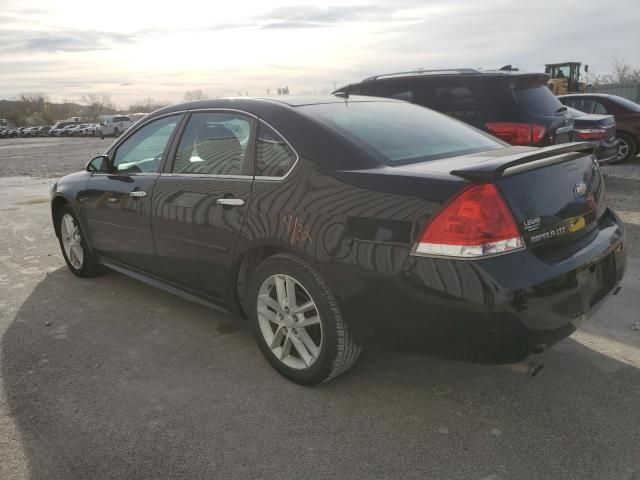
214, 143
143, 151
274, 156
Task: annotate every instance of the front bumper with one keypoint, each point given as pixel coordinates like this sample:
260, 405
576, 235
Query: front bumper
497, 310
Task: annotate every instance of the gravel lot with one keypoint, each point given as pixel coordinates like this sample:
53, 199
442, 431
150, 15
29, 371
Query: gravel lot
48, 157
110, 378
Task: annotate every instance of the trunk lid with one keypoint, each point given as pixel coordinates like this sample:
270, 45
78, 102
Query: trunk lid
604, 122
555, 193
555, 202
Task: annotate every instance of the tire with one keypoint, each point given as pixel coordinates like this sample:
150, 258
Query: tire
333, 351
88, 265
627, 148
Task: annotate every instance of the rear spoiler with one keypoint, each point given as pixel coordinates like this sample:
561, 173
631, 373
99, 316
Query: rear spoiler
496, 167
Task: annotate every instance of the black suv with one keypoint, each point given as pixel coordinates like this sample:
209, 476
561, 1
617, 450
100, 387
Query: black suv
517, 107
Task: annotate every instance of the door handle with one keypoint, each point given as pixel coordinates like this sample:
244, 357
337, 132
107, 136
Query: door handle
230, 202
138, 193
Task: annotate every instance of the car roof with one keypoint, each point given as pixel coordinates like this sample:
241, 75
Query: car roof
453, 72
298, 101
575, 95
256, 105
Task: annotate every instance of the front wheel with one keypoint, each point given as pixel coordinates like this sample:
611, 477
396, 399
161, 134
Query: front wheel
297, 322
79, 258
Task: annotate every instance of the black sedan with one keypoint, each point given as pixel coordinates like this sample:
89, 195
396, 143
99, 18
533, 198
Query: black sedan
598, 129
333, 223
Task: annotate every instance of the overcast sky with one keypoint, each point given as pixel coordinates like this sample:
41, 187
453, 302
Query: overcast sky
133, 49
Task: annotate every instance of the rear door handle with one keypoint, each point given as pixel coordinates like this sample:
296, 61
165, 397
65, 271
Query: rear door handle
231, 202
138, 193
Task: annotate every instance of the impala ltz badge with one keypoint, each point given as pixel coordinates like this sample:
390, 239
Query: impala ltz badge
580, 189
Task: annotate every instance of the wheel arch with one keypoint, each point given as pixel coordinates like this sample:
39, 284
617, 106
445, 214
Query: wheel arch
246, 263
57, 203
628, 133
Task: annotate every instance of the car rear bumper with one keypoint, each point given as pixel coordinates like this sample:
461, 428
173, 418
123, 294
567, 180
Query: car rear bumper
497, 310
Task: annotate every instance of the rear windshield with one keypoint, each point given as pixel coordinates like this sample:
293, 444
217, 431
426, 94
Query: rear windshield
399, 133
536, 97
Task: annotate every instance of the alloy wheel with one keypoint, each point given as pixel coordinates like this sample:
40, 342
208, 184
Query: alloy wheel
623, 150
71, 241
289, 321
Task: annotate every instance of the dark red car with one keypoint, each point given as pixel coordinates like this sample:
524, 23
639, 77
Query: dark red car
626, 113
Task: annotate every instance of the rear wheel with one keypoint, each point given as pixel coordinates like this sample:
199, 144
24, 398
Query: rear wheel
627, 148
297, 322
79, 258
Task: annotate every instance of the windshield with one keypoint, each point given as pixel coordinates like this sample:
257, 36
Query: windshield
398, 132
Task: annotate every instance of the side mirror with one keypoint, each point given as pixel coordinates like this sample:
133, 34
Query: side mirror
99, 164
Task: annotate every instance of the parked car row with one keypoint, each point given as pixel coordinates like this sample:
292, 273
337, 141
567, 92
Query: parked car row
39, 131
516, 107
111, 126
74, 129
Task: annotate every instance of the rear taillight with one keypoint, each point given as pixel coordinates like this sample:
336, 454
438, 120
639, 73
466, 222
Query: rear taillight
476, 223
590, 133
517, 133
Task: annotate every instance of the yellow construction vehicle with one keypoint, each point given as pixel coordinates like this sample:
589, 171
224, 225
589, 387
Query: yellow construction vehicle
565, 77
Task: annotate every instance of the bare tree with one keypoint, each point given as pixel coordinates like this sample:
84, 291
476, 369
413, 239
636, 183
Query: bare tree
146, 105
621, 72
97, 105
193, 95
33, 108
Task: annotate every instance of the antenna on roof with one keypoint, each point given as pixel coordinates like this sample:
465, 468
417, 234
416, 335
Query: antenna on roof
345, 93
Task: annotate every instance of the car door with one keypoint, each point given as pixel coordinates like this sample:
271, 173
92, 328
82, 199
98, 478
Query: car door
117, 202
200, 201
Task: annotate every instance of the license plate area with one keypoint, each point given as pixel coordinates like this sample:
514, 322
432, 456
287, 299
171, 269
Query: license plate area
599, 278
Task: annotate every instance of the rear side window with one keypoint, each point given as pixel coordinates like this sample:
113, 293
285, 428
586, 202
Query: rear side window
398, 132
274, 156
600, 109
214, 143
536, 97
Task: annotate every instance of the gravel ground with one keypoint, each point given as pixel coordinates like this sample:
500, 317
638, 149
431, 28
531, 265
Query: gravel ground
110, 378
48, 157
